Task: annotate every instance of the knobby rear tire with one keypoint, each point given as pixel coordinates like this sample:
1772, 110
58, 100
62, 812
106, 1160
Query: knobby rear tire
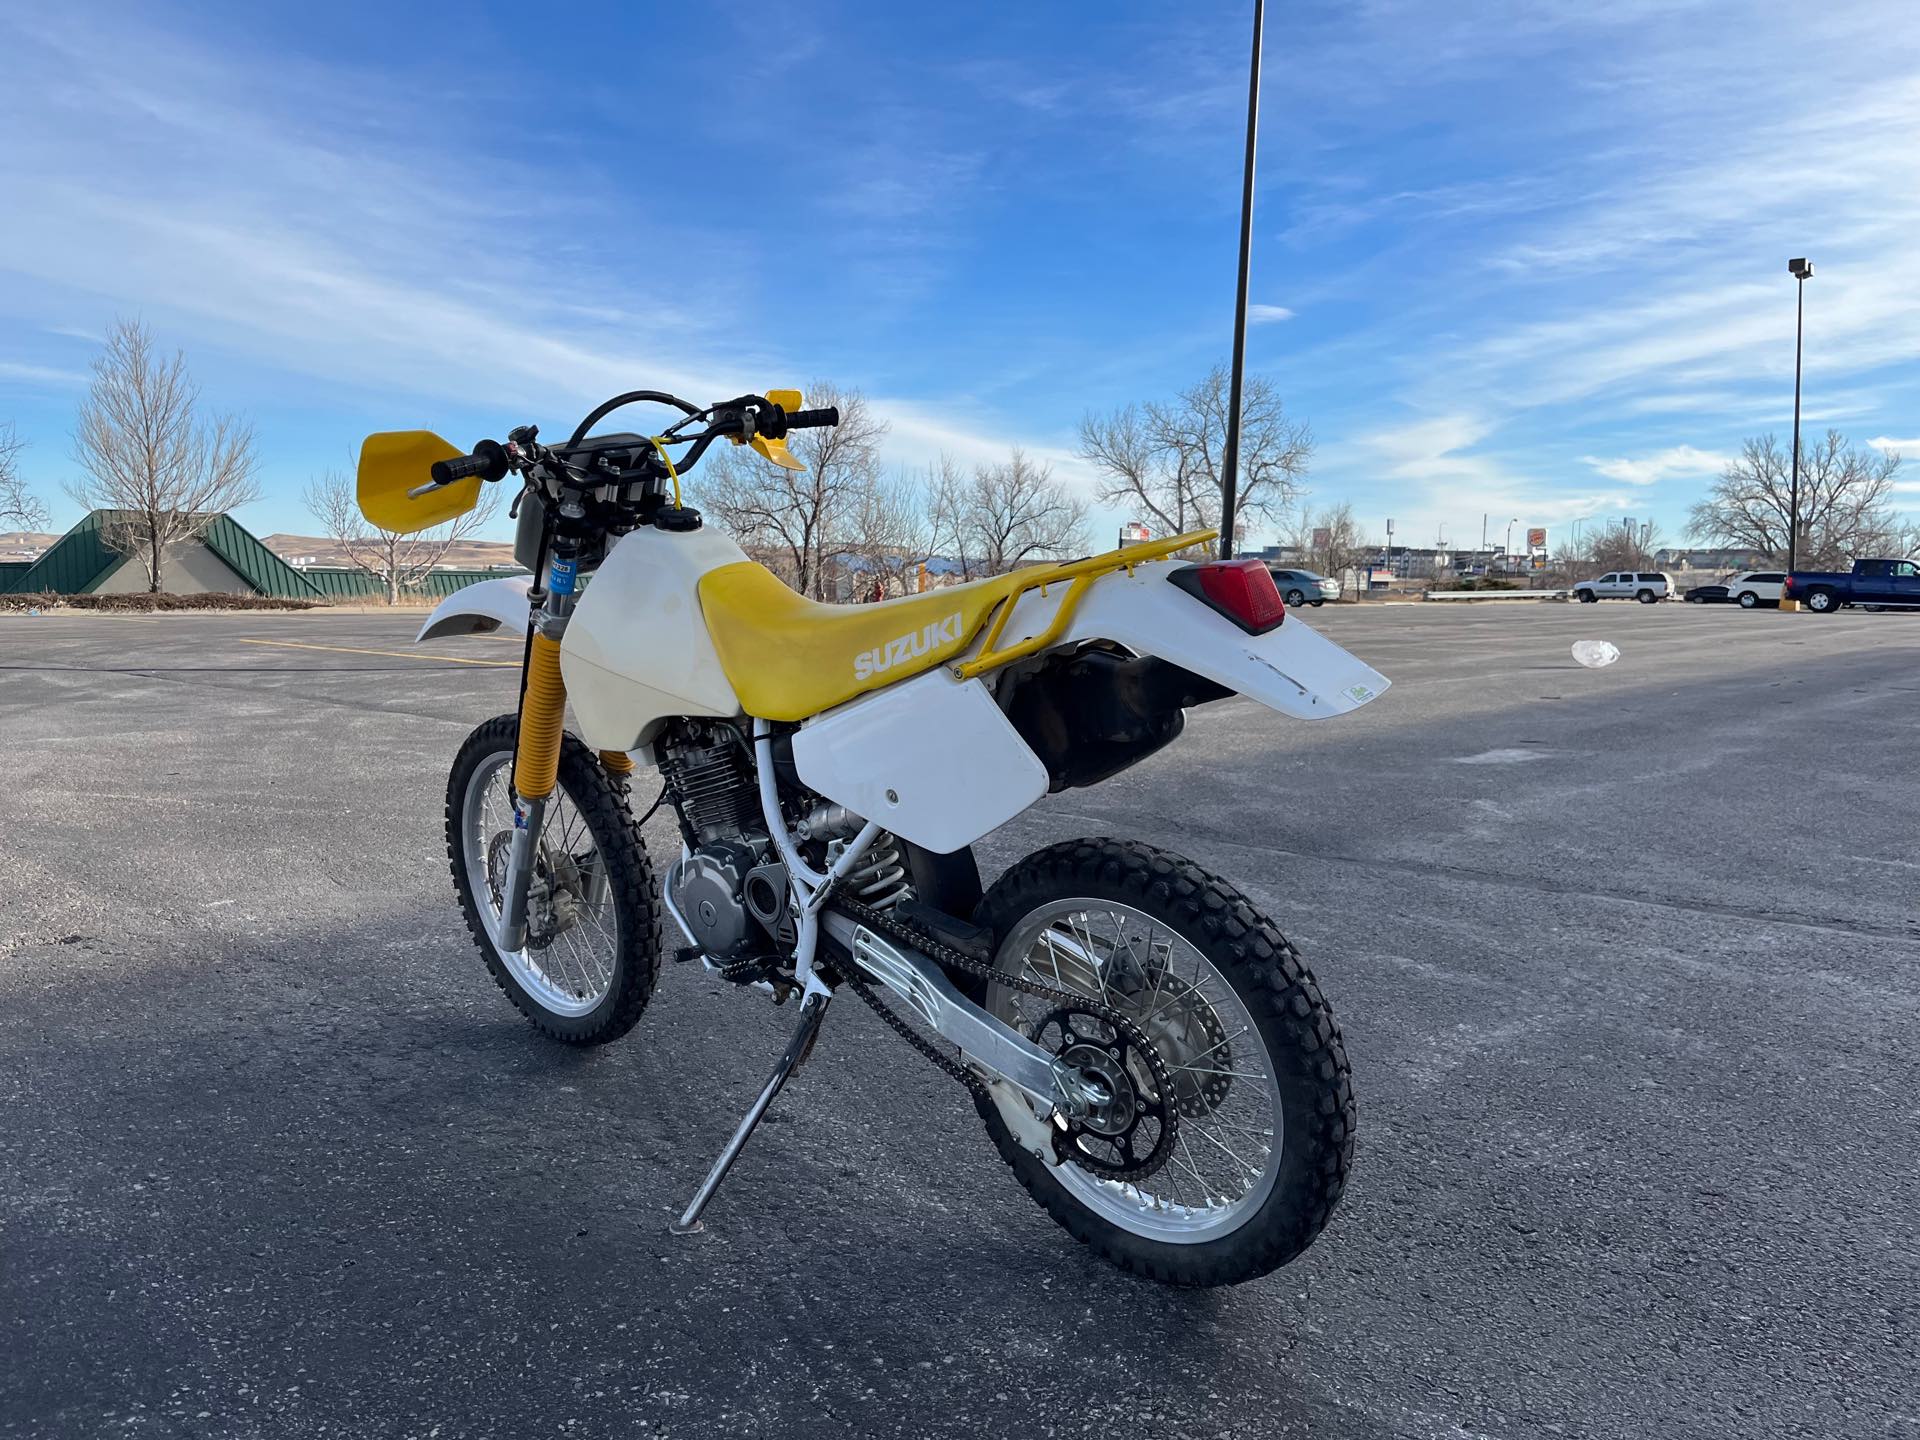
601, 800
1301, 1037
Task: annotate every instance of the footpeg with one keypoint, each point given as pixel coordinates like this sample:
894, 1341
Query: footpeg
812, 1011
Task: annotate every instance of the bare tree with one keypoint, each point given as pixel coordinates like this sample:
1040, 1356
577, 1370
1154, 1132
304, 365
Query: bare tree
1844, 494
149, 457
885, 536
799, 517
1340, 546
1626, 546
1163, 458
1016, 512
948, 488
401, 561
19, 506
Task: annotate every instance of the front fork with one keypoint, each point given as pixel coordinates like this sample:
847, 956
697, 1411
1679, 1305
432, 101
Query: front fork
536, 758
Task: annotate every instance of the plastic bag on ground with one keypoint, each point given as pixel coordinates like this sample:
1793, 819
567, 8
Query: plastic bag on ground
1595, 654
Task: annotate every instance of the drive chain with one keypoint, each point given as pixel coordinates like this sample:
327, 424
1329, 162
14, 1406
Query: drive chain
957, 962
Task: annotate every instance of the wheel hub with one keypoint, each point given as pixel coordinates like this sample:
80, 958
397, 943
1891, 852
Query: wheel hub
556, 893
1112, 1108
1124, 1127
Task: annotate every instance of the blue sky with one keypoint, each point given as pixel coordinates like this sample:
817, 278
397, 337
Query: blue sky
1519, 259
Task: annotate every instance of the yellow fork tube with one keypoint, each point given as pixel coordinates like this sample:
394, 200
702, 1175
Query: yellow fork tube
536, 760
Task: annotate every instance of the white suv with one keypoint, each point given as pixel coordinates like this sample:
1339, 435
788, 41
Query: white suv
1756, 587
1646, 586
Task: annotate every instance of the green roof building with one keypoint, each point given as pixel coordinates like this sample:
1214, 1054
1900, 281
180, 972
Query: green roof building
224, 556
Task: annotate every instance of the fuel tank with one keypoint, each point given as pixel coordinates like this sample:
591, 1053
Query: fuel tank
637, 649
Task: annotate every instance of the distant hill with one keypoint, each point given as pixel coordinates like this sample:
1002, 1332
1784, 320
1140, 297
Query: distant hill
319, 550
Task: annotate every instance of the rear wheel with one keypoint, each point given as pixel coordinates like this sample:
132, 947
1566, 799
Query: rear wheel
1296, 598
1264, 1132
1748, 600
593, 934
1646, 597
1823, 601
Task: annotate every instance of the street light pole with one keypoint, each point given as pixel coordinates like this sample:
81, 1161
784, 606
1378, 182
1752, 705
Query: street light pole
1230, 461
1802, 271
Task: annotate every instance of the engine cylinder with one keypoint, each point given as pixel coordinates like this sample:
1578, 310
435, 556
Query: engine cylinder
713, 782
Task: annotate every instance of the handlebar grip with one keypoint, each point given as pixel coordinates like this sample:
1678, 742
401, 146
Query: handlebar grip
488, 461
813, 419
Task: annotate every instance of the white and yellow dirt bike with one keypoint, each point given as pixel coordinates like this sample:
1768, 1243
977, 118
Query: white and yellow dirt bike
1146, 1049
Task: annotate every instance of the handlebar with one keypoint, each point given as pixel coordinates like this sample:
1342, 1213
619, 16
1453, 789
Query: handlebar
488, 461
813, 419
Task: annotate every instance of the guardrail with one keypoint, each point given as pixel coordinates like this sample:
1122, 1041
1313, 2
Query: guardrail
1497, 594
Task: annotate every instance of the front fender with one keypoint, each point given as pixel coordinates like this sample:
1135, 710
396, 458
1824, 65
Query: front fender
1293, 669
480, 608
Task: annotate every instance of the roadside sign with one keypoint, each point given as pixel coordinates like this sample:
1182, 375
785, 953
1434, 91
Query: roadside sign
1537, 539
1322, 538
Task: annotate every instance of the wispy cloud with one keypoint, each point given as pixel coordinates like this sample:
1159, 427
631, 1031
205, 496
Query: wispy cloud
1887, 444
40, 374
1267, 314
1678, 461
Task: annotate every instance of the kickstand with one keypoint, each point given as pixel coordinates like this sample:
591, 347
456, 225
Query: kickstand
812, 1011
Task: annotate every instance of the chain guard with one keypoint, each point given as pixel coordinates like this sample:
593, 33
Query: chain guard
1136, 1045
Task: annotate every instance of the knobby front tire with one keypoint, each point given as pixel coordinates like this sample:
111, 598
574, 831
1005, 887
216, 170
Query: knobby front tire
588, 983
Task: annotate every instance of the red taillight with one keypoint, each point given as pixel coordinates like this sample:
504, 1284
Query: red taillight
1241, 590
1786, 585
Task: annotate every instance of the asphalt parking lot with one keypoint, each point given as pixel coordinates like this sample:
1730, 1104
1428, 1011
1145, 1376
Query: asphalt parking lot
1628, 962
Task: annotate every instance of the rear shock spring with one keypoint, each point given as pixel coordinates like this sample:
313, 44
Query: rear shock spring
879, 877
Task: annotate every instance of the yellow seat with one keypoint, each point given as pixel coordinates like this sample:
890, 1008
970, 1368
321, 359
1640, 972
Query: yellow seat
788, 657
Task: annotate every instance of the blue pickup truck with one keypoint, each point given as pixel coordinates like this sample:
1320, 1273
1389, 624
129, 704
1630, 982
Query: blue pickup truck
1873, 584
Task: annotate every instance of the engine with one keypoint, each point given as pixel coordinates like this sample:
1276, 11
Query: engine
732, 887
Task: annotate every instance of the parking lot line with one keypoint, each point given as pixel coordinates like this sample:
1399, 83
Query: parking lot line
396, 654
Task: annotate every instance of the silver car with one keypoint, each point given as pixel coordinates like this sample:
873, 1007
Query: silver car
1303, 587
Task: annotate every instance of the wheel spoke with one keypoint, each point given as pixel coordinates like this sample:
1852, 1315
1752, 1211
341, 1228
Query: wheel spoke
1202, 1131
570, 971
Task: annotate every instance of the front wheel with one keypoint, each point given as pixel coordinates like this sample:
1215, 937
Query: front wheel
1587, 597
1262, 1089
1748, 600
593, 933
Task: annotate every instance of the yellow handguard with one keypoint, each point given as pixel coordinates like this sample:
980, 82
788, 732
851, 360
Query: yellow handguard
397, 461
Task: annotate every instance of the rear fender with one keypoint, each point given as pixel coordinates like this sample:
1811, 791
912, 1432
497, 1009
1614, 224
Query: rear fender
1293, 668
481, 608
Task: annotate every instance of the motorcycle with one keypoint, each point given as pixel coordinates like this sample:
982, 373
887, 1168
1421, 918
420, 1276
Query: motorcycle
1149, 1054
